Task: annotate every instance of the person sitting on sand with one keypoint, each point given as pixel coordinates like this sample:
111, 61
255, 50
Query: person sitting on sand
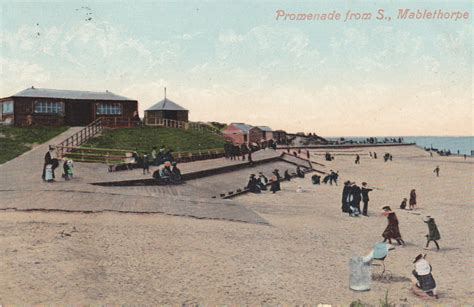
391, 231
423, 283
403, 205
412, 199
175, 171
262, 181
252, 185
276, 172
315, 179
275, 184
433, 232
299, 172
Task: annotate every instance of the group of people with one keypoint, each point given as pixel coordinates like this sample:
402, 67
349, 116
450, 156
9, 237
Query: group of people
257, 185
352, 195
235, 151
168, 174
51, 162
411, 203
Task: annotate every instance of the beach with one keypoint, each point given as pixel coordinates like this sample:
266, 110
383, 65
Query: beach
301, 257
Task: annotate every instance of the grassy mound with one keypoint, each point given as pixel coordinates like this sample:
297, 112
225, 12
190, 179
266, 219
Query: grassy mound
16, 140
144, 138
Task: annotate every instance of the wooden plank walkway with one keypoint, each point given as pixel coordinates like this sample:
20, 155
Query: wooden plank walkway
21, 188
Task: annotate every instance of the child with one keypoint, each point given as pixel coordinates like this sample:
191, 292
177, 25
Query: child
146, 164
403, 205
433, 234
68, 169
424, 284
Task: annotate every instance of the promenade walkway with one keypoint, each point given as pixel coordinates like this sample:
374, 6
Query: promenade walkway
21, 188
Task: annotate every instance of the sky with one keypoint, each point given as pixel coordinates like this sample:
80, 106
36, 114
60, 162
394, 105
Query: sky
233, 61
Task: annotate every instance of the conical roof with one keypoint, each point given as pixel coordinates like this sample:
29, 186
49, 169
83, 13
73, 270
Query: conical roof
166, 105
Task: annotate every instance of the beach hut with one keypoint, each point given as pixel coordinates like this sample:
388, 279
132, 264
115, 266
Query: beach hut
237, 133
165, 111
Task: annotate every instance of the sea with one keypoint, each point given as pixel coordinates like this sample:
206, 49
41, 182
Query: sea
463, 144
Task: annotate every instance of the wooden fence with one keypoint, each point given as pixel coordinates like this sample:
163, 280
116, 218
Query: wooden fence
80, 137
123, 156
171, 123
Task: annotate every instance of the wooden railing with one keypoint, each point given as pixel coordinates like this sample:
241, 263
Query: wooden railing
171, 123
117, 122
121, 156
80, 137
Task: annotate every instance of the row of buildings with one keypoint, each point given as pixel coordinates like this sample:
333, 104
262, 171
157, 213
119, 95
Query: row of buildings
52, 107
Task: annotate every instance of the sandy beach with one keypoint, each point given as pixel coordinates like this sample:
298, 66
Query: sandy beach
300, 258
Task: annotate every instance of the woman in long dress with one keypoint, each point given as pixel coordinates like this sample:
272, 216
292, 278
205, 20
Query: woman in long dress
412, 202
392, 231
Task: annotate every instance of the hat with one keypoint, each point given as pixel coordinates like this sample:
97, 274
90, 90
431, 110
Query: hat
387, 208
420, 256
364, 183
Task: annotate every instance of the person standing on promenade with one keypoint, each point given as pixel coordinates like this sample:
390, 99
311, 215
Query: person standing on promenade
357, 160
436, 170
433, 232
307, 154
365, 198
375, 155
412, 201
391, 231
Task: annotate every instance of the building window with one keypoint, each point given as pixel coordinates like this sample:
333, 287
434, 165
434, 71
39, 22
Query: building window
49, 107
7, 107
109, 109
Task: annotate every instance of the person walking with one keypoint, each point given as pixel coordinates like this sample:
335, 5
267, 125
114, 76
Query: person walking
365, 198
436, 170
433, 232
391, 231
357, 160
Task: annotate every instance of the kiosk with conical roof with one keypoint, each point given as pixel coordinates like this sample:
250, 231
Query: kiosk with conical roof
166, 110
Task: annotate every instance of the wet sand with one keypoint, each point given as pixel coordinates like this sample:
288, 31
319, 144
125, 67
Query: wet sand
302, 257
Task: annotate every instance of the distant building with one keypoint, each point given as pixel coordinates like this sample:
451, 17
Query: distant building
165, 109
53, 107
280, 137
266, 132
237, 133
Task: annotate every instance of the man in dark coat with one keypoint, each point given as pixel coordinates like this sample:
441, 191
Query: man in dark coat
356, 196
345, 194
365, 198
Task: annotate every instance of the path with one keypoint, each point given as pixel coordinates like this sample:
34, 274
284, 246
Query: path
21, 188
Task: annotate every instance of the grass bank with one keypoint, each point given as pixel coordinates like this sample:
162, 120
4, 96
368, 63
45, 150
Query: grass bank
144, 138
16, 140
